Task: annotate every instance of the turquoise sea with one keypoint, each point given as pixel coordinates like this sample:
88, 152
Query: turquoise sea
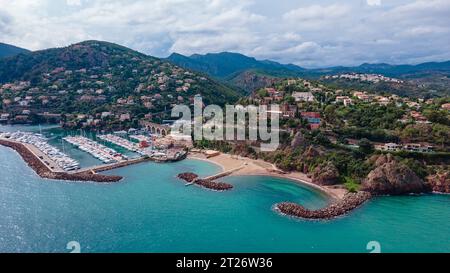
152, 211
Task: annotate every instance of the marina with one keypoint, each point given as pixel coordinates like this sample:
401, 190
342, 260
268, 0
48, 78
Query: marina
48, 154
124, 143
97, 150
142, 138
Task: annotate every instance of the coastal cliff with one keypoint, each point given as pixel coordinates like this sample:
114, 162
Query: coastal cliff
391, 177
44, 172
439, 182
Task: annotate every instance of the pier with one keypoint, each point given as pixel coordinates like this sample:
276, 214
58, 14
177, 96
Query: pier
99, 151
121, 142
224, 174
108, 167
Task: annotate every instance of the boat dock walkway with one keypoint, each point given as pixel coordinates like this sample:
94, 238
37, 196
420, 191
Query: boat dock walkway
112, 166
224, 174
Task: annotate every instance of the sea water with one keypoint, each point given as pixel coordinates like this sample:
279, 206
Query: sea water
151, 210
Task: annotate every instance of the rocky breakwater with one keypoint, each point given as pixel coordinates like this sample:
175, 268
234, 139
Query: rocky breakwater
391, 177
348, 203
205, 183
188, 177
43, 171
439, 182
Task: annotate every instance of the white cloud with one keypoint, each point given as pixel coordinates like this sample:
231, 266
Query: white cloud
374, 2
317, 12
73, 2
307, 32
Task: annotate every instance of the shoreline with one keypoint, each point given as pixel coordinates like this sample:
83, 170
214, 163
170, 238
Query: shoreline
340, 201
251, 167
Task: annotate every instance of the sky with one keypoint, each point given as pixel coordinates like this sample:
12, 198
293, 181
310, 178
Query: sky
309, 33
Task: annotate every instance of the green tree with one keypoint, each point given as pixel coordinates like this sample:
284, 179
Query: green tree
365, 146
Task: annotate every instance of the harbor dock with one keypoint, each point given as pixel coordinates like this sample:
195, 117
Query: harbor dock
97, 150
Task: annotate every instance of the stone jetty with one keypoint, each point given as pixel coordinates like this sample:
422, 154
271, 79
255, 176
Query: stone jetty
217, 186
348, 203
205, 183
188, 177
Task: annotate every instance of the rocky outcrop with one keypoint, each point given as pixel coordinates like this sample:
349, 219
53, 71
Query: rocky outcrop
341, 207
216, 186
250, 81
298, 141
439, 182
311, 153
393, 178
325, 175
43, 171
188, 177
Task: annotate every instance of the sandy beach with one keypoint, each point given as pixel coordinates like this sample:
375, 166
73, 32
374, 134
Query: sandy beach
242, 166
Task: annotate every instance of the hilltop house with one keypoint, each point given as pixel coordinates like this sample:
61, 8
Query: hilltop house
446, 106
4, 116
419, 148
105, 114
288, 111
383, 100
125, 117
410, 147
363, 96
303, 96
314, 119
418, 117
391, 147
345, 100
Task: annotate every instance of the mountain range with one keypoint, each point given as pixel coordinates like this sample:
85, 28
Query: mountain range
95, 77
249, 73
231, 73
10, 50
225, 64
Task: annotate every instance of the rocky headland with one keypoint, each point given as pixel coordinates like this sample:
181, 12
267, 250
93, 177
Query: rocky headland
440, 182
391, 177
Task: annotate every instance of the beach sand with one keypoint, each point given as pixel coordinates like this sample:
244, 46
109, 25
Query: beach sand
250, 167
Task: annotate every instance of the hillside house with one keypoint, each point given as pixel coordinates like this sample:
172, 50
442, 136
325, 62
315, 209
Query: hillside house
303, 97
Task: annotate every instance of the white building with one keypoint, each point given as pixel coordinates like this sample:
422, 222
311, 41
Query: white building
303, 96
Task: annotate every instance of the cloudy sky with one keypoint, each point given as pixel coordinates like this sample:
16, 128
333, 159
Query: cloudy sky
310, 33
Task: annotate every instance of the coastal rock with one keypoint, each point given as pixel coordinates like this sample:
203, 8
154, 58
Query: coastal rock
439, 182
383, 159
188, 177
349, 202
298, 141
205, 183
311, 153
393, 178
217, 186
325, 175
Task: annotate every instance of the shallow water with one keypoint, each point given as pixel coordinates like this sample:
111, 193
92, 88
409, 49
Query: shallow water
152, 211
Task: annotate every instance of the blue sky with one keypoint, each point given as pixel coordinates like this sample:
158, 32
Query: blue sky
307, 33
